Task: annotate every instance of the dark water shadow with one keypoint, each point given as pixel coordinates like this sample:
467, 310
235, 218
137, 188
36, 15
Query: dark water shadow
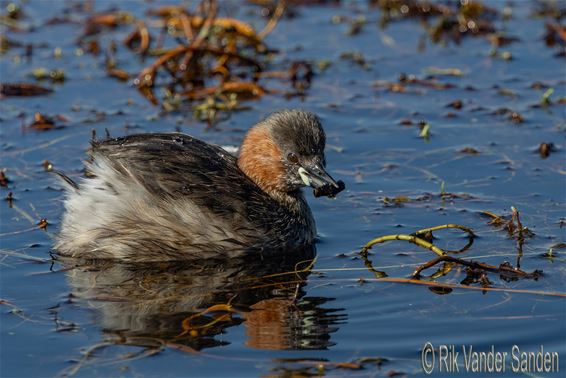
189, 303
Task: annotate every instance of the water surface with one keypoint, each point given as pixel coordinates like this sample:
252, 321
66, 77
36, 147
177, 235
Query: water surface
104, 320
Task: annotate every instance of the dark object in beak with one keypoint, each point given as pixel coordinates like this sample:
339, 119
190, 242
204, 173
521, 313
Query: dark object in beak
322, 182
329, 190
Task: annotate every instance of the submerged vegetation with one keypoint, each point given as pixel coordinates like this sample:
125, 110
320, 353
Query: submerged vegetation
196, 56
476, 272
444, 22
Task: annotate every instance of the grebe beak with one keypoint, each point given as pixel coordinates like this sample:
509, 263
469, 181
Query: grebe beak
316, 177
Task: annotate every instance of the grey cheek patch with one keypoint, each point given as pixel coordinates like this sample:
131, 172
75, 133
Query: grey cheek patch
304, 176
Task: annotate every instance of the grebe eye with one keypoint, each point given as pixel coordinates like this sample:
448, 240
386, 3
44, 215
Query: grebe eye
292, 158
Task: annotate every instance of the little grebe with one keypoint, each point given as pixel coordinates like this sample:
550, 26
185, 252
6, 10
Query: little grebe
159, 197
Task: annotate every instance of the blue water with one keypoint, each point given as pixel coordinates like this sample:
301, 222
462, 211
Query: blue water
340, 313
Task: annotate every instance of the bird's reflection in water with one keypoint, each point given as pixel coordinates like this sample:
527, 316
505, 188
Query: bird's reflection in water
190, 303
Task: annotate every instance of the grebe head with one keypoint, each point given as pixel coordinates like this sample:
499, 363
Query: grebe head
285, 152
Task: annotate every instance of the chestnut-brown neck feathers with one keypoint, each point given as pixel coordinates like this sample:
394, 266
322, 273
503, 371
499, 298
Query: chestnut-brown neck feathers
260, 160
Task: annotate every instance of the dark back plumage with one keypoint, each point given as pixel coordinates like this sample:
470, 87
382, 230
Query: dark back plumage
170, 196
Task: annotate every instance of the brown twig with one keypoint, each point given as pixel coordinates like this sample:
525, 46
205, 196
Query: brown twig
503, 269
368, 264
457, 286
176, 51
23, 89
516, 218
142, 33
187, 27
243, 88
410, 238
203, 33
273, 21
506, 270
426, 234
469, 231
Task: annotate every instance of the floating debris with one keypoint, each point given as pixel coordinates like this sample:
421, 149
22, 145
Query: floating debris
405, 81
10, 199
99, 22
456, 104
323, 64
357, 25
425, 130
6, 44
139, 40
397, 201
428, 83
55, 76
545, 99
469, 151
214, 45
23, 89
545, 149
306, 367
516, 117
208, 111
506, 92
356, 57
42, 224
506, 55
42, 122
47, 166
499, 39
197, 56
118, 74
444, 22
476, 271
444, 71
551, 9
555, 36
4, 181
512, 224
